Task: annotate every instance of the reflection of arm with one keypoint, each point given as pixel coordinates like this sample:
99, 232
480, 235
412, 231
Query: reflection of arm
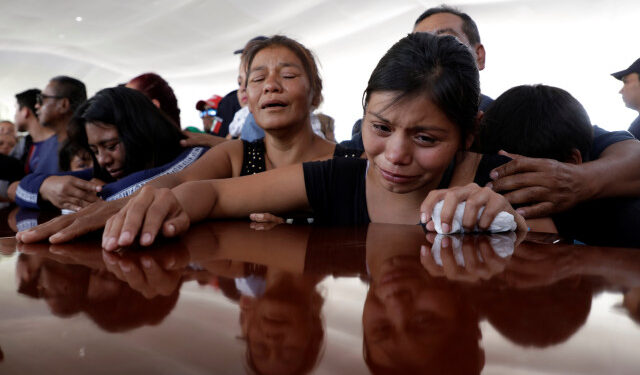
620, 267
216, 244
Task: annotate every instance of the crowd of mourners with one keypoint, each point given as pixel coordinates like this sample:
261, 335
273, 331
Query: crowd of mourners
121, 161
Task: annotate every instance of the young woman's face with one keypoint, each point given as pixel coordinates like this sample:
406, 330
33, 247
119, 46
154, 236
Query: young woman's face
409, 144
278, 89
105, 144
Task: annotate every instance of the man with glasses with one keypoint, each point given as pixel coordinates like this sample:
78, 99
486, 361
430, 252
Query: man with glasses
54, 106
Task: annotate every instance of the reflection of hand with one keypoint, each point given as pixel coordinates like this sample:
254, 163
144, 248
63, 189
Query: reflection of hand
67, 227
546, 186
152, 274
466, 257
264, 221
69, 192
475, 198
149, 212
7, 246
81, 253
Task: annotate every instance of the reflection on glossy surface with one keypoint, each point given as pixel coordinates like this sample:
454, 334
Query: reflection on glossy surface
299, 299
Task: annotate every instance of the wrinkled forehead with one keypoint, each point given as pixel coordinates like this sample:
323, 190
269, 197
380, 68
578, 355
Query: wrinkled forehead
443, 24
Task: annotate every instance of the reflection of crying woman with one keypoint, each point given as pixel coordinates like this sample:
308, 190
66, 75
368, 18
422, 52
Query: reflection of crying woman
281, 323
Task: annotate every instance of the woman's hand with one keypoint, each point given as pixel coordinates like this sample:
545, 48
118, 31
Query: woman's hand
476, 198
68, 227
146, 214
69, 192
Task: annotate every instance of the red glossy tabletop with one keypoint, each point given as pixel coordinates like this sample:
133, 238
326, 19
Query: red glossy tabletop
228, 299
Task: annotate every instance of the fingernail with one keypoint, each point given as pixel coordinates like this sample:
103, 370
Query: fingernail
489, 185
445, 228
493, 175
146, 262
423, 250
55, 236
171, 262
125, 267
423, 218
111, 243
446, 242
111, 259
146, 238
520, 211
125, 237
172, 229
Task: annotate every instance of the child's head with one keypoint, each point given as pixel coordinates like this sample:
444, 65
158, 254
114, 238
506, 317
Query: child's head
537, 121
74, 158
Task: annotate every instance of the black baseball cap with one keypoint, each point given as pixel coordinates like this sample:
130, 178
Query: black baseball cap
260, 37
634, 68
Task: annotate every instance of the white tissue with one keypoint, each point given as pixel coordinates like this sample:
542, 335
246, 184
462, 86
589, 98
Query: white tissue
502, 244
503, 222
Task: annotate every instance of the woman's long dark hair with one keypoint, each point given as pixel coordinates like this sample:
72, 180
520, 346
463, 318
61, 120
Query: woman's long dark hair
149, 138
438, 67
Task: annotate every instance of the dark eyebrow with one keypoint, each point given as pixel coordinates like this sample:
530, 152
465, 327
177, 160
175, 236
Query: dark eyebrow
379, 116
416, 128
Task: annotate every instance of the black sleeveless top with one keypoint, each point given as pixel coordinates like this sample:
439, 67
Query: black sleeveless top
254, 160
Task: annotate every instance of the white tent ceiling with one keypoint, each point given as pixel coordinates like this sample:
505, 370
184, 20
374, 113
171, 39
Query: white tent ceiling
573, 44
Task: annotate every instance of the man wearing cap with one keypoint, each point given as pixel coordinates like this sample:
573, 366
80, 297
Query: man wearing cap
630, 91
208, 113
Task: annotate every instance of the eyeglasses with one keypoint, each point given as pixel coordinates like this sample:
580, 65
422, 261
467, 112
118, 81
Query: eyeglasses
208, 112
41, 97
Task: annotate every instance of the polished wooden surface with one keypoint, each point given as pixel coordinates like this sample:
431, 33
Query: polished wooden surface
229, 299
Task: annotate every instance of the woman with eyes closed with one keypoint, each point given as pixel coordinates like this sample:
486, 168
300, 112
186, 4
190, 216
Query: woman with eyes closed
130, 141
282, 86
420, 113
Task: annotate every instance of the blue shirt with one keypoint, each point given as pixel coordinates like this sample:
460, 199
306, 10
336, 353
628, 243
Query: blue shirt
250, 130
28, 190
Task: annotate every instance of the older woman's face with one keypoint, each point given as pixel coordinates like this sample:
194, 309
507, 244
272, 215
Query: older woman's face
278, 89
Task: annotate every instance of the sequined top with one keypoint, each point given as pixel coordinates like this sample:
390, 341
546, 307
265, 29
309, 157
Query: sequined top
254, 156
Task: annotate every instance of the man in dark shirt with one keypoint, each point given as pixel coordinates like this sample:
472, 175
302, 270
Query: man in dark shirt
630, 91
